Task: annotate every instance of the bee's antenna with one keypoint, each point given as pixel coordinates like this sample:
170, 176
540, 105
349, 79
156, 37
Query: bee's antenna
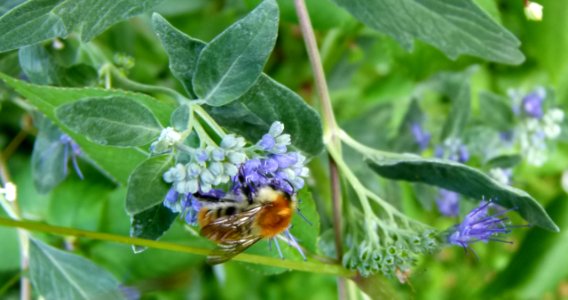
303, 216
291, 185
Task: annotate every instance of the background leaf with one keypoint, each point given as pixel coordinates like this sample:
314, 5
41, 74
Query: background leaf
60, 275
496, 111
39, 20
146, 188
229, 65
462, 179
113, 120
60, 67
116, 162
456, 87
48, 156
455, 27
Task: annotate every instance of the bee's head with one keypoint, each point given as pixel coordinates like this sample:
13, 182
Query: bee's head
268, 194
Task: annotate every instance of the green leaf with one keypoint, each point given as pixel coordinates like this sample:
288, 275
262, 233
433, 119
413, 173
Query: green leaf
456, 87
182, 50
39, 20
58, 274
531, 278
230, 64
114, 121
38, 65
180, 117
462, 179
504, 161
267, 101
405, 141
146, 188
116, 162
496, 111
306, 233
151, 224
43, 67
456, 27
48, 156
7, 5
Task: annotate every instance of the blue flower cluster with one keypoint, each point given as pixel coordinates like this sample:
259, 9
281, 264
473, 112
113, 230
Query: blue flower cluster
479, 225
539, 124
213, 170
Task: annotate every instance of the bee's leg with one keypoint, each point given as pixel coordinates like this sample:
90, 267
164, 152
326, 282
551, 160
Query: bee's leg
278, 247
294, 243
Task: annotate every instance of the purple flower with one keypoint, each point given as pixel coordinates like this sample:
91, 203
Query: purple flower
532, 104
188, 205
70, 150
463, 154
453, 149
421, 137
267, 142
191, 207
282, 171
478, 225
448, 203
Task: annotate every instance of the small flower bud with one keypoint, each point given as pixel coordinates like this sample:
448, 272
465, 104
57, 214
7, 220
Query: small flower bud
230, 169
237, 158
218, 154
276, 129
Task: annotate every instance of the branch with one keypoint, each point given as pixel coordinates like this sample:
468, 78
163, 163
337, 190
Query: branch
305, 266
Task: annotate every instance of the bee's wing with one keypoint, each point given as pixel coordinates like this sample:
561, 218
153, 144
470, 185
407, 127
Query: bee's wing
233, 233
226, 251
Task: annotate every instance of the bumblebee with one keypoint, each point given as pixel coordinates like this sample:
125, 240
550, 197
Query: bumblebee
237, 225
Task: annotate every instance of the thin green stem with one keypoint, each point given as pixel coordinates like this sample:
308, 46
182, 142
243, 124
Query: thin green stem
358, 146
306, 266
358, 187
209, 120
141, 87
10, 283
203, 136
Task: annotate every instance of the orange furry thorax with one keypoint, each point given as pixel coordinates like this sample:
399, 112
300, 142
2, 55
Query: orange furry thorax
275, 217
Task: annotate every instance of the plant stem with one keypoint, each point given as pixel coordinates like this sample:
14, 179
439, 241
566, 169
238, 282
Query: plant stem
330, 128
306, 266
317, 67
13, 209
